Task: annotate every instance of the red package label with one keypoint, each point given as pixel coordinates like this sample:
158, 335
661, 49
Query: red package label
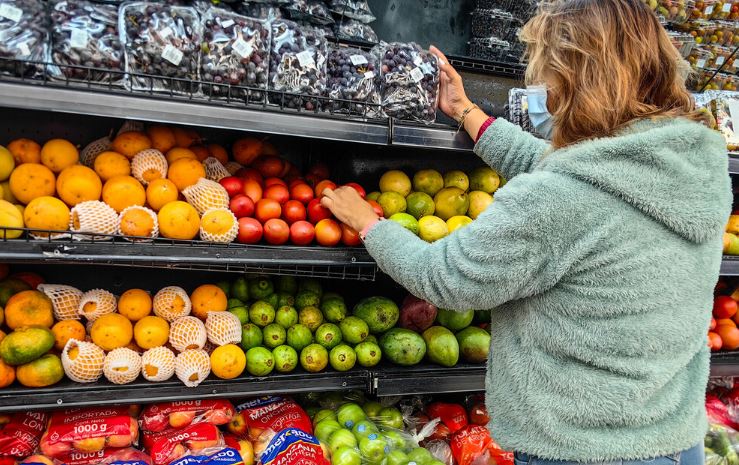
159, 417
272, 414
169, 445
454, 416
293, 447
75, 425
472, 445
21, 436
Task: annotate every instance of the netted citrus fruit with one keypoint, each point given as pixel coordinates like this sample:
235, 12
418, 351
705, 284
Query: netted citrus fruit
246, 150
179, 153
218, 152
151, 331
162, 137
25, 151
185, 137
46, 213
219, 225
66, 330
158, 364
228, 361
122, 366
77, 184
138, 221
223, 328
10, 218
30, 181
214, 169
93, 216
205, 195
29, 308
65, 300
185, 172
160, 192
58, 154
179, 220
130, 143
112, 331
83, 361
208, 298
96, 303
134, 304
187, 333
192, 367
171, 302
111, 164
149, 165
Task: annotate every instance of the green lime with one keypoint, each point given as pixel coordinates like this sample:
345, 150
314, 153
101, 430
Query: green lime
407, 221
392, 203
420, 204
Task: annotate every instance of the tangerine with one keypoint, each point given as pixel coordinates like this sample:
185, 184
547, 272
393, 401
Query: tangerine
66, 330
111, 331
130, 143
729, 336
121, 192
201, 152
185, 137
58, 154
46, 213
179, 220
135, 304
218, 152
151, 331
208, 298
29, 308
111, 164
7, 374
137, 221
30, 181
228, 361
185, 172
178, 153
25, 151
160, 192
162, 137
77, 184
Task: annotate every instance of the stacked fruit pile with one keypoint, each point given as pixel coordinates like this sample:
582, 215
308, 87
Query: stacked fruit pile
731, 240
723, 333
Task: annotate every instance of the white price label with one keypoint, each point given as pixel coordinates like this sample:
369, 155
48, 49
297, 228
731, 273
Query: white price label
427, 68
305, 58
9, 11
166, 32
720, 61
227, 23
416, 74
727, 7
709, 10
243, 49
78, 38
369, 75
700, 64
418, 60
358, 60
172, 54
23, 48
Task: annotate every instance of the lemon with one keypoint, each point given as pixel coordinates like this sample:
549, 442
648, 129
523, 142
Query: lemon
420, 204
484, 179
457, 179
395, 181
451, 201
479, 201
10, 217
407, 221
150, 332
428, 181
432, 228
392, 203
111, 331
7, 163
456, 222
228, 361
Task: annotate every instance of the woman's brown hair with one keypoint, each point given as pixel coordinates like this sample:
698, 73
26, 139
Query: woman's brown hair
605, 63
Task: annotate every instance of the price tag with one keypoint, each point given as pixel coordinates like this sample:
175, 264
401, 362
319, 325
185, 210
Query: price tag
12, 13
78, 38
305, 58
720, 61
727, 7
416, 74
709, 10
166, 32
243, 49
700, 64
25, 51
369, 75
418, 60
172, 54
358, 60
427, 68
227, 23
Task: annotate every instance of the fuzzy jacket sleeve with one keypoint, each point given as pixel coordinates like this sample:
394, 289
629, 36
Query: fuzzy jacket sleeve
506, 254
509, 149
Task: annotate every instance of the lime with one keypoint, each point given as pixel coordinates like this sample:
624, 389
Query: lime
432, 228
395, 181
457, 179
479, 201
451, 201
484, 179
407, 221
457, 222
374, 195
428, 181
392, 203
420, 204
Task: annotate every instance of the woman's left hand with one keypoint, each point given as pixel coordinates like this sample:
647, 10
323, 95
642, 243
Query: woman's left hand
349, 208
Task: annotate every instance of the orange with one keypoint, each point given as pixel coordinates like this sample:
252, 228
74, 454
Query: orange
151, 331
162, 137
25, 151
160, 192
58, 154
200, 151
32, 180
137, 221
178, 153
246, 150
135, 304
208, 298
228, 362
218, 223
46, 213
729, 336
7, 374
29, 308
185, 137
111, 164
66, 330
218, 152
130, 143
77, 184
179, 220
185, 172
123, 191
111, 331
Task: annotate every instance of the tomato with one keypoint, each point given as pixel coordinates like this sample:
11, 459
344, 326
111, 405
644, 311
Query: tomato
32, 279
302, 233
277, 192
293, 211
301, 192
249, 174
233, 185
319, 170
714, 341
349, 236
317, 212
267, 209
441, 433
253, 189
242, 205
295, 182
328, 232
724, 307
713, 324
272, 181
269, 167
479, 414
292, 172
378, 209
287, 167
276, 231
322, 186
360, 190
250, 231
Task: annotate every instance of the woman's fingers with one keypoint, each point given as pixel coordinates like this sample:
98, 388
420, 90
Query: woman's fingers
327, 202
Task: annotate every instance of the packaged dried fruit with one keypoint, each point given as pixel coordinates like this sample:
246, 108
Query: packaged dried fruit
701, 30
354, 9
159, 417
85, 42
265, 416
235, 51
721, 58
23, 37
312, 11
172, 444
726, 33
683, 42
699, 58
495, 23
20, 437
704, 9
351, 29
161, 41
353, 78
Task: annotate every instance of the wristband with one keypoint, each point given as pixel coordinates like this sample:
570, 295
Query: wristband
484, 127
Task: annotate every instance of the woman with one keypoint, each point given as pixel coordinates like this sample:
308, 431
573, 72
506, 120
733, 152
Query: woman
600, 254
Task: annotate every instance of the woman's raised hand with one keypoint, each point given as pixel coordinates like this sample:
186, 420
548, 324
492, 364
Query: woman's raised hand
349, 208
453, 100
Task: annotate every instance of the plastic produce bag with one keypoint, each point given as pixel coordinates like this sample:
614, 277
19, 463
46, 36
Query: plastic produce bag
453, 416
472, 445
495, 23
721, 445
20, 437
23, 37
351, 29
490, 48
352, 74
211, 456
294, 447
172, 444
521, 9
161, 40
259, 10
235, 51
159, 417
313, 11
125, 456
267, 416
441, 450
354, 9
410, 82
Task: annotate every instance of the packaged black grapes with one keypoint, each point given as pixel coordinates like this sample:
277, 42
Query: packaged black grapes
351, 29
355, 9
521, 9
490, 48
23, 37
235, 52
352, 82
297, 64
313, 11
259, 10
161, 40
495, 23
410, 81
85, 43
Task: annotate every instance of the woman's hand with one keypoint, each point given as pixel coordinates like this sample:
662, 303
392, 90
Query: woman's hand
349, 208
452, 99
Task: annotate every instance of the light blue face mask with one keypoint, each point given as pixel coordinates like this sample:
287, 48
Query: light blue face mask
538, 112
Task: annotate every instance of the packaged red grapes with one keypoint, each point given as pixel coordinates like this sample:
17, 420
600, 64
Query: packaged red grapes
161, 40
313, 11
172, 444
352, 78
410, 81
159, 417
354, 9
20, 437
23, 37
85, 42
235, 52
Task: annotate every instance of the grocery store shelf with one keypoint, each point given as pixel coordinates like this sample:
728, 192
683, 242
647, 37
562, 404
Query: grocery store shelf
730, 266
430, 137
725, 364
733, 163
396, 381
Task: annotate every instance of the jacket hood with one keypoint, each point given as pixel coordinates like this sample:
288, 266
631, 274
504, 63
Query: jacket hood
673, 170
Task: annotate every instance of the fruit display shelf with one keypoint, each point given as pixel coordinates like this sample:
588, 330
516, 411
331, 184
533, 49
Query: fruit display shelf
391, 380
729, 266
725, 364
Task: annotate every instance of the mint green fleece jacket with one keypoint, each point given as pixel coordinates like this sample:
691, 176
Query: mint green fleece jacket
599, 262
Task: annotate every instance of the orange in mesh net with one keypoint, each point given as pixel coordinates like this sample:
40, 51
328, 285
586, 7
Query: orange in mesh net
232, 167
149, 165
219, 225
139, 222
93, 216
171, 303
187, 333
206, 194
122, 366
65, 300
158, 364
214, 169
82, 361
192, 367
96, 303
93, 149
223, 328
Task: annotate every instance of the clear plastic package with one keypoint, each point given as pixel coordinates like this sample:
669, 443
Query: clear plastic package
354, 9
297, 64
259, 10
85, 34
353, 74
722, 9
683, 42
704, 9
704, 32
351, 29
410, 81
726, 33
495, 23
235, 51
722, 58
521, 9
23, 37
700, 58
313, 11
676, 11
490, 48
161, 40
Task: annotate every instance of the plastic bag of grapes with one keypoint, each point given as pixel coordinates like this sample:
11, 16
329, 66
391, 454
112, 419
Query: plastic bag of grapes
259, 10
235, 52
352, 82
85, 43
297, 67
162, 46
351, 29
313, 11
355, 9
23, 37
410, 81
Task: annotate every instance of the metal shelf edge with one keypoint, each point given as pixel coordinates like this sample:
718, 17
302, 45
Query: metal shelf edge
729, 266
429, 380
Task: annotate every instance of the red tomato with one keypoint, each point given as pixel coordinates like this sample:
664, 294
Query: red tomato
295, 182
233, 185
302, 233
250, 231
360, 190
441, 433
319, 170
272, 181
253, 189
378, 209
301, 192
479, 415
242, 205
292, 172
269, 167
713, 324
317, 212
724, 307
249, 174
349, 236
287, 167
328, 232
277, 192
323, 185
714, 341
276, 231
32, 279
267, 209
293, 211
